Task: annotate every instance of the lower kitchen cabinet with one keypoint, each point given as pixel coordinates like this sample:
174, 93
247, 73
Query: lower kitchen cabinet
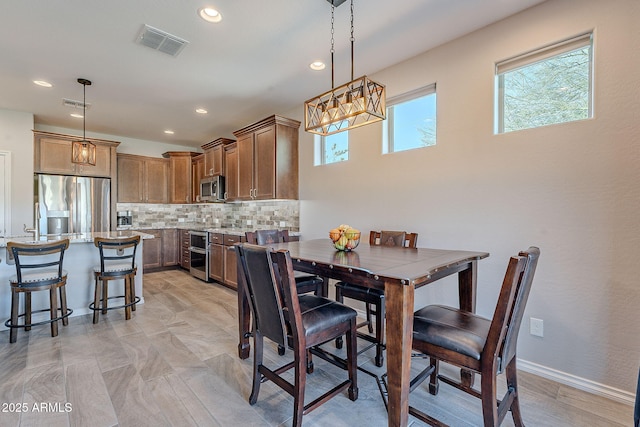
152, 250
230, 263
216, 258
184, 256
169, 247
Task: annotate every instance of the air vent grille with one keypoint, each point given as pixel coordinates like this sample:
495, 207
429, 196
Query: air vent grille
161, 40
75, 104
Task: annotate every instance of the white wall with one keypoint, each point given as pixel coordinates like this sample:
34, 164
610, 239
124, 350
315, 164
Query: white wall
17, 138
571, 189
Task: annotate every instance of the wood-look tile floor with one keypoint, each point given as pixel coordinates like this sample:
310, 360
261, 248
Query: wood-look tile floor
175, 364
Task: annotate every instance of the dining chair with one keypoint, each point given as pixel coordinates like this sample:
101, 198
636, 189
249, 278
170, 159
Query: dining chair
38, 268
117, 262
299, 322
374, 298
475, 343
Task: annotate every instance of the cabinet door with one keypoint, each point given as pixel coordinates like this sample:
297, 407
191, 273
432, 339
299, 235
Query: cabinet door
55, 157
180, 179
152, 250
156, 181
245, 167
231, 171
230, 267
216, 259
264, 170
213, 161
169, 247
130, 179
197, 173
103, 163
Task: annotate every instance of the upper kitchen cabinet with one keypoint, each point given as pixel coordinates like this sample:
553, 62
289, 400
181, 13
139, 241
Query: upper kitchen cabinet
230, 153
214, 156
268, 159
180, 176
142, 179
197, 173
52, 155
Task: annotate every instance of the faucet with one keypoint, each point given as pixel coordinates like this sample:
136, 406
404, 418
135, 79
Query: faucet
36, 229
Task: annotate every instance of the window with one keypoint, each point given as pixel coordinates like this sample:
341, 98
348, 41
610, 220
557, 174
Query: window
548, 86
411, 120
333, 148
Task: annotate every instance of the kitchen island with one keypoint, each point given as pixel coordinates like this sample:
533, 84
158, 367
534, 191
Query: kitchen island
79, 261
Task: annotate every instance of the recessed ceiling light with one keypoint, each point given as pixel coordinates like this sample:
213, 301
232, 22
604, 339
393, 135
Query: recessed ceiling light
42, 83
201, 111
169, 132
209, 14
317, 65
76, 115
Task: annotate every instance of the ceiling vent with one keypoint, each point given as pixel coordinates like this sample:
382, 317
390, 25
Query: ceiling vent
75, 104
161, 40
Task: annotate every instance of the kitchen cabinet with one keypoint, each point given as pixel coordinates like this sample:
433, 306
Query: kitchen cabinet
152, 250
267, 158
216, 257
183, 249
230, 153
142, 179
214, 156
229, 259
180, 176
169, 247
52, 155
197, 173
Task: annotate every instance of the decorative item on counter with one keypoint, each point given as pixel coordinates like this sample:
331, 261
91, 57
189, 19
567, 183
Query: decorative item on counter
344, 237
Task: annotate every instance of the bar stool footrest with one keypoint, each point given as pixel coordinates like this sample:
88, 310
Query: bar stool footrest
134, 302
44, 322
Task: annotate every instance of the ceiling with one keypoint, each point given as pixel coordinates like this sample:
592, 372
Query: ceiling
252, 64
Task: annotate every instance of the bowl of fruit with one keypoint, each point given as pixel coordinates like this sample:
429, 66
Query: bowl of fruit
345, 237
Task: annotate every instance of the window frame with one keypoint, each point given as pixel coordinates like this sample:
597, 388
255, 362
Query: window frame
532, 57
387, 125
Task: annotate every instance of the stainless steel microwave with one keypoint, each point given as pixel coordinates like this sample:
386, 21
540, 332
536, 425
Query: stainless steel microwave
212, 189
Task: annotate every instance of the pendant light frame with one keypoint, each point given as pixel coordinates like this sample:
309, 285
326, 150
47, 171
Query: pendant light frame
84, 152
357, 103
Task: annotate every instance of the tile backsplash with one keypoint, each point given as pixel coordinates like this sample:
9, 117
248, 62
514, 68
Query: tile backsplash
282, 214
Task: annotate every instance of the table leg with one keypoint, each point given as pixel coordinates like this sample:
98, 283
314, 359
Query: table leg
467, 292
243, 318
399, 312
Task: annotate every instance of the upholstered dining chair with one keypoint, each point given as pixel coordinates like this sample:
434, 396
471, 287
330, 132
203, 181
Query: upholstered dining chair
481, 345
288, 319
38, 268
374, 298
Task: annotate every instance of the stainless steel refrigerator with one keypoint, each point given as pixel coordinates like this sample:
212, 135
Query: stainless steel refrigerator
72, 204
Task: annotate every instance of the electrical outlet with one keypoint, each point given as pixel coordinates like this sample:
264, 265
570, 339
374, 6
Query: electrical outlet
536, 327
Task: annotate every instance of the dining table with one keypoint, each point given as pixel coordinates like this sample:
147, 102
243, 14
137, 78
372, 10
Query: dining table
397, 271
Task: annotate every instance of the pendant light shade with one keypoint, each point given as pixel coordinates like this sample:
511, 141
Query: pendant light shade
84, 152
357, 103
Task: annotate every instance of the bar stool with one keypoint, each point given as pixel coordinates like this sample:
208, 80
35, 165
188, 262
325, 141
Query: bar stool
117, 261
38, 268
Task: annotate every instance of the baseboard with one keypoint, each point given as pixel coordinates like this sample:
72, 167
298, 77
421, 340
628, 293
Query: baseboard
577, 382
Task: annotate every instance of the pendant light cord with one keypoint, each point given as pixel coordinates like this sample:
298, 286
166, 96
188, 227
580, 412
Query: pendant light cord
333, 8
84, 112
352, 40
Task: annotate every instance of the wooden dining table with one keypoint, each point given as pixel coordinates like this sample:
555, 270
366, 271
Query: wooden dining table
397, 271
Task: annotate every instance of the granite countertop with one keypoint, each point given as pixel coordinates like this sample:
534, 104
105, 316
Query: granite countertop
234, 231
75, 237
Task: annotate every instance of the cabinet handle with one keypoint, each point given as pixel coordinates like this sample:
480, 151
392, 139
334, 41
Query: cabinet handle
211, 172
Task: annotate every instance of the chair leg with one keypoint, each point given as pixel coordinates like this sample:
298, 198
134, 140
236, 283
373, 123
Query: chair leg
132, 284
352, 362
96, 301
53, 300
127, 298
369, 321
512, 383
309, 362
258, 347
105, 295
489, 391
27, 311
300, 373
15, 302
63, 304
380, 313
433, 382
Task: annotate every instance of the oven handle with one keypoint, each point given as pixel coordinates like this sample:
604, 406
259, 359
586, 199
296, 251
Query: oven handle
198, 233
198, 250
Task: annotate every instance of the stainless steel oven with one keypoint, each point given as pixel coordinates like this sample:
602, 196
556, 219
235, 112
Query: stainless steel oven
199, 252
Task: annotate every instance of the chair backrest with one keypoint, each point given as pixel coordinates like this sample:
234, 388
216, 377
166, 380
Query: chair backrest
393, 238
505, 325
265, 237
31, 258
270, 286
117, 254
